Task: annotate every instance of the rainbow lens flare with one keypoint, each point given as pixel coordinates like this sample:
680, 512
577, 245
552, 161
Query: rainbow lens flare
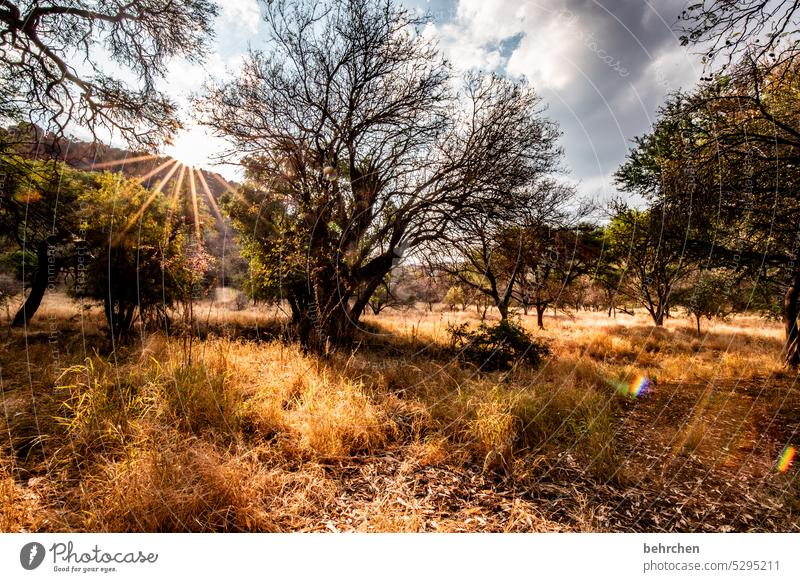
786, 459
639, 385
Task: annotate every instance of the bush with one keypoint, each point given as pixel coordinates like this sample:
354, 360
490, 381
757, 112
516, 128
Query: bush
497, 347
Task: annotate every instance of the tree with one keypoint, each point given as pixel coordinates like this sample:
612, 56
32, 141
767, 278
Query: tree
39, 216
489, 251
50, 72
650, 250
752, 114
709, 294
456, 297
486, 258
738, 28
741, 155
349, 125
387, 295
553, 259
107, 237
136, 258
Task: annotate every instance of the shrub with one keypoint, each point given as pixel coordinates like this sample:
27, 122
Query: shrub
497, 347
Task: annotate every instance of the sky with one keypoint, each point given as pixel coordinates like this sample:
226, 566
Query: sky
602, 67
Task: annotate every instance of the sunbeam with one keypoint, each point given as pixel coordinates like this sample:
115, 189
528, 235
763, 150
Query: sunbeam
173, 200
195, 210
155, 171
123, 161
223, 183
209, 196
156, 191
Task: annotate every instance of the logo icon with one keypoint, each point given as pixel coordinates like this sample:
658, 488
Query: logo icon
31, 555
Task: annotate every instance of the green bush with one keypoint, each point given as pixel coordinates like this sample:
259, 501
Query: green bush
497, 347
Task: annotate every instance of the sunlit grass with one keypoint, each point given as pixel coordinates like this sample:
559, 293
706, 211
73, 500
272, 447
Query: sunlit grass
232, 434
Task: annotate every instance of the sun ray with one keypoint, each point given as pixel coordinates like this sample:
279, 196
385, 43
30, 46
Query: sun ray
123, 161
209, 196
196, 212
228, 187
156, 191
155, 171
173, 201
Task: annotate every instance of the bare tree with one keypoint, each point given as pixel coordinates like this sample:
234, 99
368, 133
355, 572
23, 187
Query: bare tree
494, 253
350, 122
737, 28
554, 257
52, 70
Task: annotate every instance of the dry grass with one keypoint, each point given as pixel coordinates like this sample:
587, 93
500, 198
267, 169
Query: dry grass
233, 434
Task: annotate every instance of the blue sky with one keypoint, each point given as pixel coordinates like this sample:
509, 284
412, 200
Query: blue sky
602, 67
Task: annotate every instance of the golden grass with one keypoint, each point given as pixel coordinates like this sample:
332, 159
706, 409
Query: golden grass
240, 435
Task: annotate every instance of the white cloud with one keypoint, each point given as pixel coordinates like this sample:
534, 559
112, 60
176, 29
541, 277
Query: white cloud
241, 13
548, 45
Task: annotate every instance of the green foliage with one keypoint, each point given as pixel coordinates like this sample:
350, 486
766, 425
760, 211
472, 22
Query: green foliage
711, 294
139, 255
272, 249
455, 297
39, 199
110, 239
497, 347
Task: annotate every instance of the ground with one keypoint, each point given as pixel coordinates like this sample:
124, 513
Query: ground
236, 430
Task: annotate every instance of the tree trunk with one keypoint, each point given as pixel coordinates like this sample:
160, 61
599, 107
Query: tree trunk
119, 316
790, 299
325, 320
503, 309
658, 318
540, 309
46, 274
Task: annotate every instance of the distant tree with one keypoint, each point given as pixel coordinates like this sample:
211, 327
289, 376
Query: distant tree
387, 295
490, 250
649, 249
349, 123
709, 294
554, 258
51, 72
381, 299
456, 297
484, 258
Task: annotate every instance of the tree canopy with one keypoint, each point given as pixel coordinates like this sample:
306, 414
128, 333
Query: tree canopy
362, 145
58, 61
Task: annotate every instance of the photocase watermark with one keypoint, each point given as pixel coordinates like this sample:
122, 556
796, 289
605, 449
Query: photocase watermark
66, 558
31, 555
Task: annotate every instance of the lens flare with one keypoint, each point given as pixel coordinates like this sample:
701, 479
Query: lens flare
639, 385
209, 196
786, 459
